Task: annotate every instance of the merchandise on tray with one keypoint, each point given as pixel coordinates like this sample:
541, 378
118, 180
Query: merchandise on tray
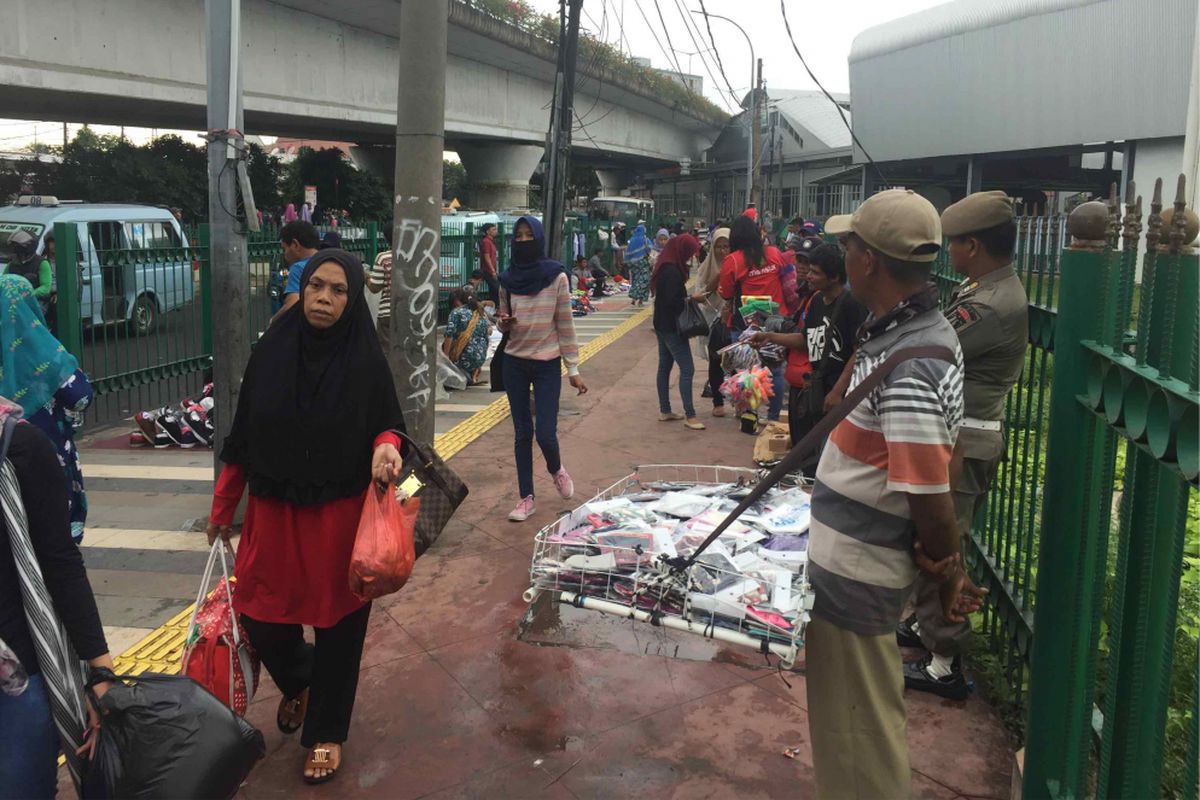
751, 579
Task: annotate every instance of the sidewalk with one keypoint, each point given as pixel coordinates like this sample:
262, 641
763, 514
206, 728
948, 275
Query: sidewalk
451, 704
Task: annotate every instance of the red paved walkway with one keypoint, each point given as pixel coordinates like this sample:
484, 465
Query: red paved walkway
452, 705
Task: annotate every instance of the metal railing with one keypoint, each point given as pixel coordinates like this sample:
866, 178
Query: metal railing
1080, 622
139, 317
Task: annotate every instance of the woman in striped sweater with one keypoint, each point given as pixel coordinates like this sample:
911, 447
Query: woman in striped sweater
535, 312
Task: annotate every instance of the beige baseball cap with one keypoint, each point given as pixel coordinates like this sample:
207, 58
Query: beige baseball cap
977, 212
897, 222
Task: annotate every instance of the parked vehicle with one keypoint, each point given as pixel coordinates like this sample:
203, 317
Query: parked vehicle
134, 261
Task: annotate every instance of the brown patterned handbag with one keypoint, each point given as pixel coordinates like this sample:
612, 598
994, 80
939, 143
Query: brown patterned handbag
441, 490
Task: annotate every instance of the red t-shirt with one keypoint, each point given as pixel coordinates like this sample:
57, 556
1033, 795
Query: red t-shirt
763, 280
487, 248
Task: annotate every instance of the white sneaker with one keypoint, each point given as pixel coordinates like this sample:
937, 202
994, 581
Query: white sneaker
523, 511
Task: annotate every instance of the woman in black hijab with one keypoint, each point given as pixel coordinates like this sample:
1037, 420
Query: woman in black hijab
313, 428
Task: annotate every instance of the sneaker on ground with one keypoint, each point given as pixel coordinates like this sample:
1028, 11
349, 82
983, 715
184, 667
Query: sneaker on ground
177, 430
718, 411
145, 420
906, 632
523, 511
952, 686
200, 426
669, 416
564, 484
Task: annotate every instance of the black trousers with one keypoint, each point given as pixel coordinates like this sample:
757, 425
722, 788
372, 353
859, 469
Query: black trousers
493, 284
329, 670
718, 337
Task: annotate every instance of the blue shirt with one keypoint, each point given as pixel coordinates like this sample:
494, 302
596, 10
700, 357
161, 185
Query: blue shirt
295, 271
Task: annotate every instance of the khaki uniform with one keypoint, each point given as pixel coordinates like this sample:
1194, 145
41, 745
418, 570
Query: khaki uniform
991, 317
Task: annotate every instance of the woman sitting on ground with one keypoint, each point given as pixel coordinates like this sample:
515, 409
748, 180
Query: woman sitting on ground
316, 422
467, 333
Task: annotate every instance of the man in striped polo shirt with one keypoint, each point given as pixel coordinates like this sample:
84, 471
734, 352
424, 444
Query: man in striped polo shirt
882, 486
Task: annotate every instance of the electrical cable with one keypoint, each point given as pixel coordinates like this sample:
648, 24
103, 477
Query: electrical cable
670, 44
841, 112
670, 53
700, 51
717, 53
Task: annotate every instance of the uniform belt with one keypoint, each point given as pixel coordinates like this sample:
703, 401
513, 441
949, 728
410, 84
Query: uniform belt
982, 424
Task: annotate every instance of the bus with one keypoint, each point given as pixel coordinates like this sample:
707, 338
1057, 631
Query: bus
623, 209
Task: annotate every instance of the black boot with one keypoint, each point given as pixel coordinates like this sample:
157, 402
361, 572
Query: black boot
952, 687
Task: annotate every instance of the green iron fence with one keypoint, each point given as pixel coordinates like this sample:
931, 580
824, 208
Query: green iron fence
1081, 622
135, 302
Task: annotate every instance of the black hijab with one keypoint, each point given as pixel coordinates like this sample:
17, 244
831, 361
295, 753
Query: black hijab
313, 401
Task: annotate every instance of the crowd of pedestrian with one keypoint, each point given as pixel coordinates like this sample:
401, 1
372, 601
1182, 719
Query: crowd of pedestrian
895, 486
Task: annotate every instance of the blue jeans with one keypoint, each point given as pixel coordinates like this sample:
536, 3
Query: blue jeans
673, 349
546, 379
779, 384
28, 744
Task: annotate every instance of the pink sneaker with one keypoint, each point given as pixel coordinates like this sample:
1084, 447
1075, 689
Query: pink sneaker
523, 511
564, 484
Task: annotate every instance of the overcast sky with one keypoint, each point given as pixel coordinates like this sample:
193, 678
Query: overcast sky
824, 31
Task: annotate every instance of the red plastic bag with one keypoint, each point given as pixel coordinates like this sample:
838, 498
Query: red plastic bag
384, 552
217, 654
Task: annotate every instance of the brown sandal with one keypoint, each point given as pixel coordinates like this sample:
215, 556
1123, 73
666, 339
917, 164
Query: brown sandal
327, 757
290, 715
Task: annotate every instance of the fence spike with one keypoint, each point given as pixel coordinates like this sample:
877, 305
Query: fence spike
1113, 231
1154, 221
1178, 225
1132, 229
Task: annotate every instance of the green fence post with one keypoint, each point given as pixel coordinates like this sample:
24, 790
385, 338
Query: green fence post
372, 243
468, 253
1154, 529
1074, 526
66, 277
206, 323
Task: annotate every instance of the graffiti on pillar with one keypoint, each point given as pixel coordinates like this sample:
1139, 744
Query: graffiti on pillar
417, 247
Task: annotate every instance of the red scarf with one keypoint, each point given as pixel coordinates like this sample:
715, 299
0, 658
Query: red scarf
677, 253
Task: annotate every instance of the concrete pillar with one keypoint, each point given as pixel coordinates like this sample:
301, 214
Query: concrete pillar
499, 173
613, 181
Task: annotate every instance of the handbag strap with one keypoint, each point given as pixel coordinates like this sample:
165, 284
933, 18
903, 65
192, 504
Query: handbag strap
813, 439
428, 456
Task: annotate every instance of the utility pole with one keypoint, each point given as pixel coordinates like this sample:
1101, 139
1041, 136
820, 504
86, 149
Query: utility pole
417, 229
562, 118
756, 134
227, 240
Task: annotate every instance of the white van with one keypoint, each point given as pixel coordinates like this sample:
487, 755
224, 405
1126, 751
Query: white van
135, 263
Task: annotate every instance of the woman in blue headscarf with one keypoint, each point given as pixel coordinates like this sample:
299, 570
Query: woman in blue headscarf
637, 259
535, 314
39, 374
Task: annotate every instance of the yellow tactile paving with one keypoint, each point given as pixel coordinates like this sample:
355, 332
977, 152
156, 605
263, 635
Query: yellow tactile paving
162, 650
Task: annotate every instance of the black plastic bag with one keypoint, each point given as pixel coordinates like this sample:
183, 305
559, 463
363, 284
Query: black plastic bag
692, 320
167, 736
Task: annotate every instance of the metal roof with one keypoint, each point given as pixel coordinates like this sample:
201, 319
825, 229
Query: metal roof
986, 76
811, 111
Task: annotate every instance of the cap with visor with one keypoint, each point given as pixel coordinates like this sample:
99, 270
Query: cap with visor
896, 222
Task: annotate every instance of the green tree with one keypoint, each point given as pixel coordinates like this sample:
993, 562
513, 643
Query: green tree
455, 183
265, 171
339, 184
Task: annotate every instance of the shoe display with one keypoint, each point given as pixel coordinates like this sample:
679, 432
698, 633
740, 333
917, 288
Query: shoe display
176, 429
523, 511
138, 439
564, 484
952, 686
201, 426
906, 634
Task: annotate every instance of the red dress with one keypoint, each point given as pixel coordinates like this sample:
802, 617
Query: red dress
293, 562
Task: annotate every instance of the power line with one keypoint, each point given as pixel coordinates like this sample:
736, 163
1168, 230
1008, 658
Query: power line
649, 27
688, 22
670, 44
841, 112
717, 53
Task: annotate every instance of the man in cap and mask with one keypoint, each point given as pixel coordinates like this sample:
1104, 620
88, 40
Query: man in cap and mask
990, 313
882, 484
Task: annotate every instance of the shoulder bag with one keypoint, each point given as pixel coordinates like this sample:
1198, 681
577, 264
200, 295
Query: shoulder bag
496, 369
440, 489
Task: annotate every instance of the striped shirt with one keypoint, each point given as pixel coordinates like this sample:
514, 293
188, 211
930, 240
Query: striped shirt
380, 276
896, 442
544, 329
